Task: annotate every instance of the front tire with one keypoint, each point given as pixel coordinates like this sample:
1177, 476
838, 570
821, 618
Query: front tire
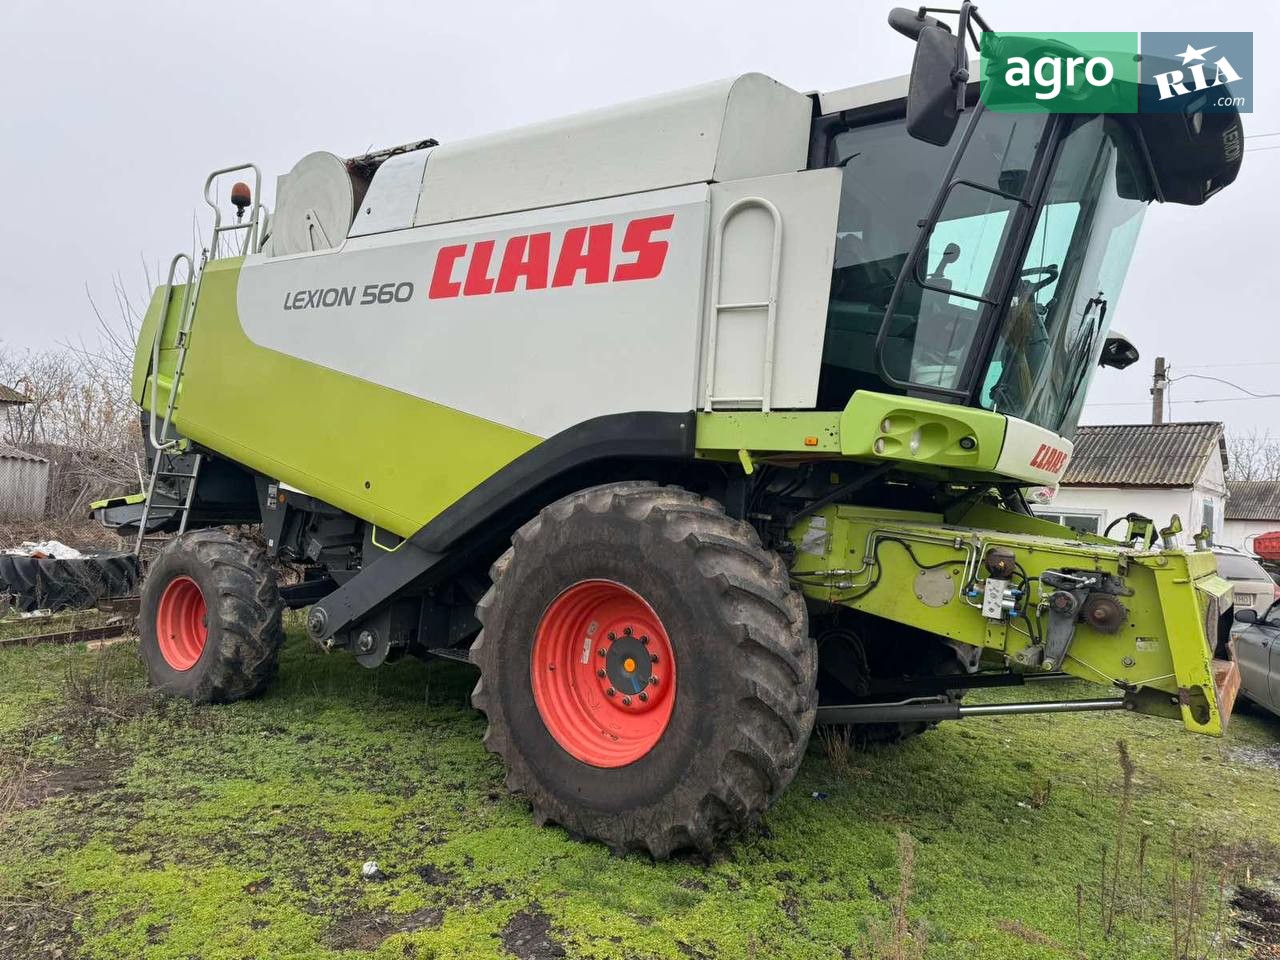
654, 594
209, 618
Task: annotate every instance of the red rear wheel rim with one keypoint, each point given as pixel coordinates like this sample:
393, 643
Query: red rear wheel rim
181, 627
604, 673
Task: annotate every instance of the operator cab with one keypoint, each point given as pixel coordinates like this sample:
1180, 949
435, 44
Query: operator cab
999, 290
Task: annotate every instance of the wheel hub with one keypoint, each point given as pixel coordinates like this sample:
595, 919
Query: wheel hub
182, 626
603, 673
627, 665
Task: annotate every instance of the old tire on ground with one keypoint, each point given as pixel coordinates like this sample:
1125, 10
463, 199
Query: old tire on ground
210, 618
699, 736
46, 583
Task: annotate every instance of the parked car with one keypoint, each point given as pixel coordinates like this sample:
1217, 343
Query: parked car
1257, 645
1253, 586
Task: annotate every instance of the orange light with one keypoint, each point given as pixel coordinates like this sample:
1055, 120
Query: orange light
810, 441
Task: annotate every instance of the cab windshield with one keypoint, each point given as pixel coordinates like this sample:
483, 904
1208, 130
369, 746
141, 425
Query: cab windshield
1064, 299
1052, 325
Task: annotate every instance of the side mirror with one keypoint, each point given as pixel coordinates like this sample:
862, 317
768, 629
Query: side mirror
1246, 615
1118, 352
932, 110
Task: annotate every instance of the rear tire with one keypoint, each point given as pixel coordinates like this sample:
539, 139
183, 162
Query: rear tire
210, 618
738, 691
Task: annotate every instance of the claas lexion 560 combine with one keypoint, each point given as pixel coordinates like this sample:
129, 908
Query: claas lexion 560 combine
689, 422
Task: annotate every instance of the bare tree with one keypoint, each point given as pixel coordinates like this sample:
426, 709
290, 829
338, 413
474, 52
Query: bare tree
1253, 456
81, 417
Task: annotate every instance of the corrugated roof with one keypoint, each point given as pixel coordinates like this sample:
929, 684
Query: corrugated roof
1144, 454
13, 453
10, 395
1253, 500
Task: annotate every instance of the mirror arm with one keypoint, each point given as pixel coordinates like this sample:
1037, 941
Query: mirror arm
960, 76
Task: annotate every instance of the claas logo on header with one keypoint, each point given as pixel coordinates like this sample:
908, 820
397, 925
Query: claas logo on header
585, 255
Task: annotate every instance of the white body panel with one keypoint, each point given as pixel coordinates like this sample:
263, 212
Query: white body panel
1033, 454
392, 198
501, 318
747, 126
808, 203
538, 360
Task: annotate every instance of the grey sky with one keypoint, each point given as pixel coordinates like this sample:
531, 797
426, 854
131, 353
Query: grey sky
113, 114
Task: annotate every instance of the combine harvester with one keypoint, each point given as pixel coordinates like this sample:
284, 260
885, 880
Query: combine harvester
689, 422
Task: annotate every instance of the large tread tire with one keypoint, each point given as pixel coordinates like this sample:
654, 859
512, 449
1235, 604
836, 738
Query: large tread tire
46, 583
243, 617
746, 693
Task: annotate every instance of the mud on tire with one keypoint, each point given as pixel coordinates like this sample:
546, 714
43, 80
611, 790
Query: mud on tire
46, 583
745, 696
230, 582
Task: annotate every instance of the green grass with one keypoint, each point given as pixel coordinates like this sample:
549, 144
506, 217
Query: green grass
131, 827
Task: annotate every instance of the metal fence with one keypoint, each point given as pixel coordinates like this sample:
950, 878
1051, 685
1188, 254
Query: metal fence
24, 484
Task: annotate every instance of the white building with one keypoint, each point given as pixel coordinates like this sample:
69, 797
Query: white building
1252, 508
1156, 470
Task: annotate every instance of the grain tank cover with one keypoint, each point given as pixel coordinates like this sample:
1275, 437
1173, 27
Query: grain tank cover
315, 202
746, 126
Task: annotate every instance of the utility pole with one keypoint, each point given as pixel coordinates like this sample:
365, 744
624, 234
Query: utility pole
1158, 383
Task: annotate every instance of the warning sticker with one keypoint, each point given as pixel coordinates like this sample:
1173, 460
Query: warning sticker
816, 540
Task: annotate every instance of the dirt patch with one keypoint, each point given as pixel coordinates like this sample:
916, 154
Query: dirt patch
33, 928
1252, 857
527, 935
1024, 933
1258, 920
1268, 758
434, 876
367, 929
36, 785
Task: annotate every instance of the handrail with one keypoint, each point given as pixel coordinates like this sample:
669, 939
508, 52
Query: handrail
154, 376
250, 244
770, 305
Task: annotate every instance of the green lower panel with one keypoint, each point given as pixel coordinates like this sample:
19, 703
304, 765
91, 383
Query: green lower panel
387, 457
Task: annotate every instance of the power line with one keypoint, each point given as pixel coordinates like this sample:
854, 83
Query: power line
1261, 149
1144, 403
1239, 363
1234, 386
1259, 136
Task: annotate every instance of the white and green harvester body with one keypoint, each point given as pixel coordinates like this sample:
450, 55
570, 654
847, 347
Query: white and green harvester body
726, 288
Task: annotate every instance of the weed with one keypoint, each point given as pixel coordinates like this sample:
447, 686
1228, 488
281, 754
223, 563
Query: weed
102, 690
903, 940
839, 745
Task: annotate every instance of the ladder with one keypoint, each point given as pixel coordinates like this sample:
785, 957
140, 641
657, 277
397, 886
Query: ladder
173, 453
769, 305
164, 445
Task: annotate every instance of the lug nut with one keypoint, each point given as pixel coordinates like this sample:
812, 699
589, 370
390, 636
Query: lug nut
601, 674
612, 635
610, 692
627, 631
653, 658
653, 681
644, 697
600, 652
626, 701
644, 639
